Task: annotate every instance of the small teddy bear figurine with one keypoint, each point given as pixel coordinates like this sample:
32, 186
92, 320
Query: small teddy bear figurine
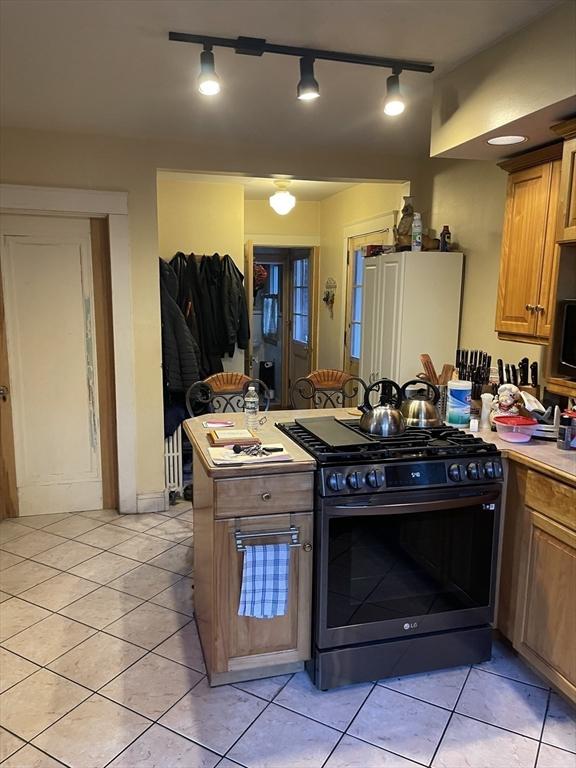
506, 402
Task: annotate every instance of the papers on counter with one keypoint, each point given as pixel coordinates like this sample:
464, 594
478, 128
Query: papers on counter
223, 456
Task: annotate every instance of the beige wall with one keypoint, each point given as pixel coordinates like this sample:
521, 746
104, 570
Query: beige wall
469, 196
303, 221
98, 162
200, 218
350, 207
523, 73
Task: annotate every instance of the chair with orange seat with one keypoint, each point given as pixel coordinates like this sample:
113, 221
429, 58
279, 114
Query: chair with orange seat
224, 393
327, 388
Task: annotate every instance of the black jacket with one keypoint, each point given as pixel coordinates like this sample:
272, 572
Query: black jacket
180, 351
235, 310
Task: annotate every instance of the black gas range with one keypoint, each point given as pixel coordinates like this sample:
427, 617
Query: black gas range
406, 542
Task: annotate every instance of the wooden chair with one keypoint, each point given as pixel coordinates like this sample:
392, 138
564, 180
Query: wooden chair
224, 393
327, 388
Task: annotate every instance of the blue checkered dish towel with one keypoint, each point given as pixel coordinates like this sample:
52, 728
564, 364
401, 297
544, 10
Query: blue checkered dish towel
265, 581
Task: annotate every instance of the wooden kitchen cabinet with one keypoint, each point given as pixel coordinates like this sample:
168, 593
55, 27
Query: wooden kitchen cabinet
529, 255
237, 647
537, 610
246, 642
566, 232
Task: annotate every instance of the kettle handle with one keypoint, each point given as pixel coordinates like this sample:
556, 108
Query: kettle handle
431, 388
395, 400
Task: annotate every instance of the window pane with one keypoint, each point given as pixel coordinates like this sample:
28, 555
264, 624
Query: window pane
358, 267
304, 271
356, 341
300, 332
357, 304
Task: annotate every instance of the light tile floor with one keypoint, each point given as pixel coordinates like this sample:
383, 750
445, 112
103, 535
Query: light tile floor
100, 665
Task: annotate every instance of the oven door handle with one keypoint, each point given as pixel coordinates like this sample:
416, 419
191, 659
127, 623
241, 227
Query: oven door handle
424, 506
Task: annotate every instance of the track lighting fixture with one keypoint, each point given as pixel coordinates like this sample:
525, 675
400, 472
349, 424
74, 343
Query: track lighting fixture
394, 103
208, 80
308, 88
282, 201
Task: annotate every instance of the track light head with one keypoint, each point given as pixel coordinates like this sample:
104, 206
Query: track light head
308, 88
208, 80
394, 103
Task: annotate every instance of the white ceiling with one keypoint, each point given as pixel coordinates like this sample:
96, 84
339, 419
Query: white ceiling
260, 188
106, 66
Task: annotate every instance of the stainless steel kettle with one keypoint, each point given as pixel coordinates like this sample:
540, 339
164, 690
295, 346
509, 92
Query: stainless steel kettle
384, 419
419, 409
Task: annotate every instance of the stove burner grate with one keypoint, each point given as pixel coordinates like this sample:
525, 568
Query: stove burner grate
413, 443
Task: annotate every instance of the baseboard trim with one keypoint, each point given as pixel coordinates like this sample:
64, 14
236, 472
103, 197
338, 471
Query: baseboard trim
154, 501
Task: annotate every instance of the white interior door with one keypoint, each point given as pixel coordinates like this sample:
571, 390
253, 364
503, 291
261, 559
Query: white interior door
48, 300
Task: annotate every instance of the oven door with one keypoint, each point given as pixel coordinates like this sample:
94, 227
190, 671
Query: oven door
400, 564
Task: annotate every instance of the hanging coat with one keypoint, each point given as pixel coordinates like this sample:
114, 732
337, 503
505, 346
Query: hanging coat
179, 349
235, 309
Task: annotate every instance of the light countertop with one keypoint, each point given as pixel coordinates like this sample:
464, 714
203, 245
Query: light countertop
537, 454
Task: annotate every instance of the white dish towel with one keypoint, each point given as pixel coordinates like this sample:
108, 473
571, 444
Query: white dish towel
265, 575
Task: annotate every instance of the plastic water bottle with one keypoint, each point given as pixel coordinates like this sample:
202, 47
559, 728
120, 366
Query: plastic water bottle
251, 403
417, 232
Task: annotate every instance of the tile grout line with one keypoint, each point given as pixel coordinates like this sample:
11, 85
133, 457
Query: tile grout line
549, 698
344, 733
353, 736
441, 739
513, 679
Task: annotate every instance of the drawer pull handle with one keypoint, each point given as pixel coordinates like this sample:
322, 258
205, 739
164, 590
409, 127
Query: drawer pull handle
266, 496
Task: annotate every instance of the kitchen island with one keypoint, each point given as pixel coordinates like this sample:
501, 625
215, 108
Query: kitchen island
277, 498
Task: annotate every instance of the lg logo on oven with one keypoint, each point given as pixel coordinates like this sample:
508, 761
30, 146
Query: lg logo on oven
410, 625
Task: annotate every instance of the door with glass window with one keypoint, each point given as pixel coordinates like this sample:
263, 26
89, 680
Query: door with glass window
299, 357
358, 247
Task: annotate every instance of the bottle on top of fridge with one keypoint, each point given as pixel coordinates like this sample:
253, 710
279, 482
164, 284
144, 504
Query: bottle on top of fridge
417, 232
445, 238
251, 403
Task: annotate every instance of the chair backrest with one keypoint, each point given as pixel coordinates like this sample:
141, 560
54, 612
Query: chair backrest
224, 393
327, 388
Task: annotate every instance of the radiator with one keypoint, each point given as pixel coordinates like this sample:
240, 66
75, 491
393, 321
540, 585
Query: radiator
173, 462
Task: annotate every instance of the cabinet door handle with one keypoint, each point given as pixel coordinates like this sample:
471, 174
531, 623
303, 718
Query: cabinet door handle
540, 308
530, 307
266, 496
307, 547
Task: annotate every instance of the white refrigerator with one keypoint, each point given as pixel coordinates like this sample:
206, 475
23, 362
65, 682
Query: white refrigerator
410, 305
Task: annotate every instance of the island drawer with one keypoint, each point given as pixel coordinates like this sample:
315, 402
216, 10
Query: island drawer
552, 498
264, 495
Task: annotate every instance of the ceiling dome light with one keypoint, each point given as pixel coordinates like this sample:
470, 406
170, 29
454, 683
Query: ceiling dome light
208, 80
502, 140
394, 103
308, 88
282, 201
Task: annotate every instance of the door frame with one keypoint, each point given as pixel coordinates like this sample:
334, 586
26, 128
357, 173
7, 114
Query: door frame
311, 242
112, 206
385, 221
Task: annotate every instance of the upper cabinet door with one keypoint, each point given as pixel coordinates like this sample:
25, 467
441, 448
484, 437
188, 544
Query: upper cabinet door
523, 242
546, 306
567, 209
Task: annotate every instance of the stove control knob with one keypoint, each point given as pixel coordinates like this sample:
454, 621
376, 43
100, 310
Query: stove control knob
473, 471
336, 481
454, 472
355, 480
497, 469
375, 478
489, 469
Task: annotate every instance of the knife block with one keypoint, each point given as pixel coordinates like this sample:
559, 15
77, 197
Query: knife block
534, 391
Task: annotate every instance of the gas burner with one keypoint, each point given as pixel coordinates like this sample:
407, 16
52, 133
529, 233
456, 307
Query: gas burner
414, 443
